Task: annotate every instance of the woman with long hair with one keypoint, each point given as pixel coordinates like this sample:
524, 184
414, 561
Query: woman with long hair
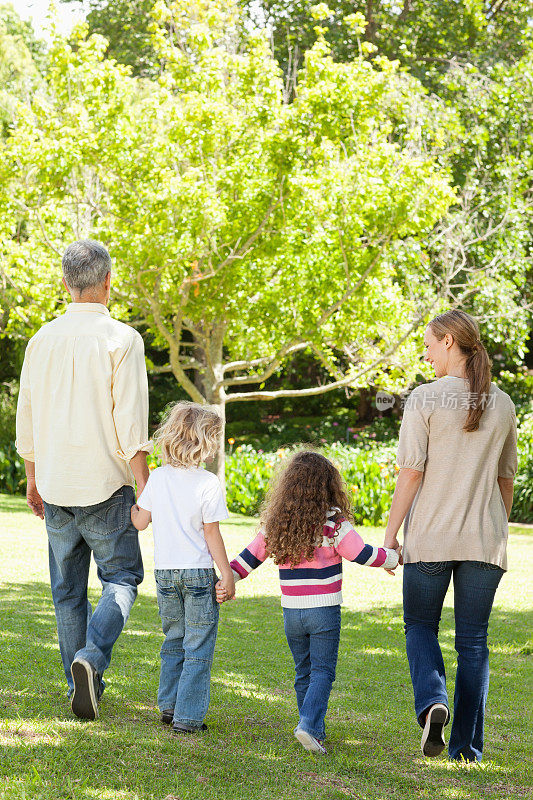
457, 458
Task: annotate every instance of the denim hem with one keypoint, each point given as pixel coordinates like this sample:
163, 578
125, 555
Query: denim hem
320, 736
191, 723
427, 706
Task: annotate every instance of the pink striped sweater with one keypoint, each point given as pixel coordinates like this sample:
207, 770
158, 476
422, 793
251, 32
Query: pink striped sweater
317, 582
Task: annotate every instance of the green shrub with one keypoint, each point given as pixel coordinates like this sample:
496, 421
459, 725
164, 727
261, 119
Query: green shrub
12, 474
369, 473
523, 490
367, 467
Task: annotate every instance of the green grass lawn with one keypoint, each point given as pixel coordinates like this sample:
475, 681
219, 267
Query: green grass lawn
249, 750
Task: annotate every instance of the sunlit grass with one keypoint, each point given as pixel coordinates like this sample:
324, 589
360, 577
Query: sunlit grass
249, 750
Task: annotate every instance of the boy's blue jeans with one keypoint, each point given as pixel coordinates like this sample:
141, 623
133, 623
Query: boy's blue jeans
313, 636
74, 532
424, 588
189, 616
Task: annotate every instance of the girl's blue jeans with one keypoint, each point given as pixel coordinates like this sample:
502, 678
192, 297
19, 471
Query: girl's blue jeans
424, 588
313, 636
189, 616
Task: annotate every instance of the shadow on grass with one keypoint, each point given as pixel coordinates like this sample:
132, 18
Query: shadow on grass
46, 753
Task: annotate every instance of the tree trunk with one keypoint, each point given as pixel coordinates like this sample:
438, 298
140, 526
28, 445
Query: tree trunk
218, 465
215, 395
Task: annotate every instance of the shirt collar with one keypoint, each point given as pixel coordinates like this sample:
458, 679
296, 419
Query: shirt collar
99, 308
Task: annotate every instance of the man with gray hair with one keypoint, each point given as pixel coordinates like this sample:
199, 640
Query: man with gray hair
82, 430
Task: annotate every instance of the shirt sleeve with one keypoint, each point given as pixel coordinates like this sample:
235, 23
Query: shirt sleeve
130, 400
24, 423
250, 558
508, 463
350, 545
213, 503
145, 498
414, 435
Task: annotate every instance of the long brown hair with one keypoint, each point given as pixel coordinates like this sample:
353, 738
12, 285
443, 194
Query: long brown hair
296, 507
465, 332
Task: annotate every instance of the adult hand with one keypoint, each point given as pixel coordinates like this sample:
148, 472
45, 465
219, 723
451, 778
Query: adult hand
34, 499
392, 543
400, 560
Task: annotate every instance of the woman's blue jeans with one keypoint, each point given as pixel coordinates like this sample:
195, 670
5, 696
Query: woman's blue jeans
424, 588
189, 616
313, 636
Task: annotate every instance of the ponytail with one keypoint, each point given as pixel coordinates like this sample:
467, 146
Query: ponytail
465, 332
479, 379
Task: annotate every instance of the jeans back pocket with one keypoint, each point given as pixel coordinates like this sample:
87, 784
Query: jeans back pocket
432, 567
105, 518
200, 600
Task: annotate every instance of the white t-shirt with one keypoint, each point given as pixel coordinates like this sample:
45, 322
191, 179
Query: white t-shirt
180, 501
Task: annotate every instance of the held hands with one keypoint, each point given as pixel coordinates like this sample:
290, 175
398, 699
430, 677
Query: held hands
225, 588
393, 544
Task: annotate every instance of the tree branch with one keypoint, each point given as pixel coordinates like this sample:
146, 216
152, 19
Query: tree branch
346, 380
292, 347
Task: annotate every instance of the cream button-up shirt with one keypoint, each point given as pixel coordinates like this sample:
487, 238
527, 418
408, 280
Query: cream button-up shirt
82, 411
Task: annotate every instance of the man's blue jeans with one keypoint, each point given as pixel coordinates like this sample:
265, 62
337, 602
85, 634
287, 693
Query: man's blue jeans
74, 532
313, 636
424, 588
189, 616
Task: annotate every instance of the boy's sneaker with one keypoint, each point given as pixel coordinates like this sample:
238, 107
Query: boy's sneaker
167, 716
310, 742
432, 742
84, 700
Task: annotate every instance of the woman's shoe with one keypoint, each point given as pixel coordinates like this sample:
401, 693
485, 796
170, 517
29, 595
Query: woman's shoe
432, 742
309, 742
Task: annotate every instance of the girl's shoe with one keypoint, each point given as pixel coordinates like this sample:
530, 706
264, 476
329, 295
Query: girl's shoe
432, 742
310, 742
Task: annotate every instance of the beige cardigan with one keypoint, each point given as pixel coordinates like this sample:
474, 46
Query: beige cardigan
458, 512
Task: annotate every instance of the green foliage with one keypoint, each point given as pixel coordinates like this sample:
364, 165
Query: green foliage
425, 36
281, 430
523, 491
221, 204
12, 475
368, 472
126, 25
18, 69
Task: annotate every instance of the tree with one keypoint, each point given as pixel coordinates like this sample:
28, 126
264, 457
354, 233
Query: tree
18, 68
126, 25
423, 36
244, 229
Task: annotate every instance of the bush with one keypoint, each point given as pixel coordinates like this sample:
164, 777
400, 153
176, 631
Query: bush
274, 433
523, 493
12, 474
369, 473
368, 469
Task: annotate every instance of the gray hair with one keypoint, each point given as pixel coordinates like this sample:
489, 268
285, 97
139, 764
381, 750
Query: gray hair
85, 264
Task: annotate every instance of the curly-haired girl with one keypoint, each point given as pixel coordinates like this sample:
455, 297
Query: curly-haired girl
306, 529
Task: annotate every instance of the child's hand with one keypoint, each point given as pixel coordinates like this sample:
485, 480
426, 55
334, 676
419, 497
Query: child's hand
222, 594
397, 550
140, 518
228, 582
224, 591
